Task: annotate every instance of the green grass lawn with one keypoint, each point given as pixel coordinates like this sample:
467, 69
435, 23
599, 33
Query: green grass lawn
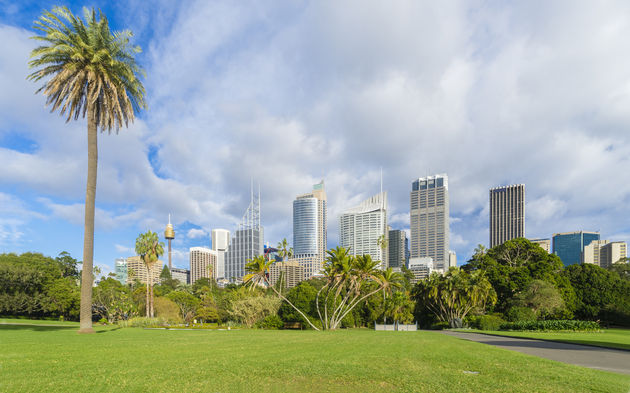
53, 322
609, 338
57, 359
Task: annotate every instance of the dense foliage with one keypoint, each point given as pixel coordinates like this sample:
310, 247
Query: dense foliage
33, 285
552, 325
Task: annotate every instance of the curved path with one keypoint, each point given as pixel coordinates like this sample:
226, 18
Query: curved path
617, 361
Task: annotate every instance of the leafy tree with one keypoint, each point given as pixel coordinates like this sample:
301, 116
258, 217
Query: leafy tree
596, 289
113, 301
542, 298
622, 268
202, 285
399, 307
68, 265
167, 310
186, 302
63, 298
253, 309
511, 266
455, 294
87, 69
303, 297
149, 248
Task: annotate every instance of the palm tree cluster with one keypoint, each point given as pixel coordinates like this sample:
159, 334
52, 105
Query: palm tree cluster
90, 70
455, 294
349, 281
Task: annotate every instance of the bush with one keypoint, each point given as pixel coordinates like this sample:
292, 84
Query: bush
440, 326
142, 322
489, 322
270, 322
552, 325
520, 314
167, 310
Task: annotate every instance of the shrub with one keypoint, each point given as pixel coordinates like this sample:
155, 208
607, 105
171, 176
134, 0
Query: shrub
167, 310
519, 314
270, 322
440, 325
489, 322
552, 325
142, 322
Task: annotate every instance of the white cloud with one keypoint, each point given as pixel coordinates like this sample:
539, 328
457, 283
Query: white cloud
491, 94
195, 233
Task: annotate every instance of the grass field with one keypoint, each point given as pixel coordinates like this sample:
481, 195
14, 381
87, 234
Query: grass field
57, 359
16, 321
609, 338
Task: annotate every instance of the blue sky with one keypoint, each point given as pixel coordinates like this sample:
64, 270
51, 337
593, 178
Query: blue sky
490, 93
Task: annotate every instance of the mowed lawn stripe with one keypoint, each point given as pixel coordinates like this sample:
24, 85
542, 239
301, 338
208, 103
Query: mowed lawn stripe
59, 360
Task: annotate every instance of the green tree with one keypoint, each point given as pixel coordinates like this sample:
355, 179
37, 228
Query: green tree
254, 309
113, 301
258, 269
597, 289
68, 265
186, 302
452, 296
303, 297
399, 307
87, 69
284, 250
622, 268
511, 266
149, 248
349, 282
542, 298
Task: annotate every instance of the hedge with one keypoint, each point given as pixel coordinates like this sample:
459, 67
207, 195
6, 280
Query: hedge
552, 325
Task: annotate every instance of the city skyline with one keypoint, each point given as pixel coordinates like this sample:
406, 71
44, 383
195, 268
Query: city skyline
497, 103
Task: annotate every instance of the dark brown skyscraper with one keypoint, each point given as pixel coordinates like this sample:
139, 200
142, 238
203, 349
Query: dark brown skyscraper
507, 213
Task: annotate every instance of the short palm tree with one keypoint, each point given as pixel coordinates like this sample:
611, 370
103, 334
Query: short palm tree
258, 269
284, 250
90, 70
149, 248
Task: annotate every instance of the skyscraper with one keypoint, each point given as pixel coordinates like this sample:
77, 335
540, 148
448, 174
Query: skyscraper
429, 215
137, 270
120, 268
309, 229
569, 246
396, 245
246, 243
220, 244
203, 263
362, 229
507, 213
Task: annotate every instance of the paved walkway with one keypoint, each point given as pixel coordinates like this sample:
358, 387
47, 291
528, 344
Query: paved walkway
613, 360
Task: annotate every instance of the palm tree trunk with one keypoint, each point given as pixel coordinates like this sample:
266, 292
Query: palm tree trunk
87, 275
147, 303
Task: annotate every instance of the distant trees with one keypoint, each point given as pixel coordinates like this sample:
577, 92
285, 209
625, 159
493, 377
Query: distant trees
112, 301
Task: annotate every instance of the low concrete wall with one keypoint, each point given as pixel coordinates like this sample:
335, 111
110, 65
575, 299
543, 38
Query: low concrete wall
396, 327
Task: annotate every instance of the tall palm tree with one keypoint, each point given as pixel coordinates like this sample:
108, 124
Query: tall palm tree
149, 248
284, 250
258, 269
87, 70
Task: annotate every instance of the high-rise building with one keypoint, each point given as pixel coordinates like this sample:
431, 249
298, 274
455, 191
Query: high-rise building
362, 229
569, 246
612, 252
181, 275
396, 246
220, 244
545, 244
137, 270
604, 253
421, 268
246, 243
452, 259
291, 272
203, 263
429, 215
507, 213
120, 268
309, 229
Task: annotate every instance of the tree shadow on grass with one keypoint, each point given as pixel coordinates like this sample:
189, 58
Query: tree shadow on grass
36, 328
